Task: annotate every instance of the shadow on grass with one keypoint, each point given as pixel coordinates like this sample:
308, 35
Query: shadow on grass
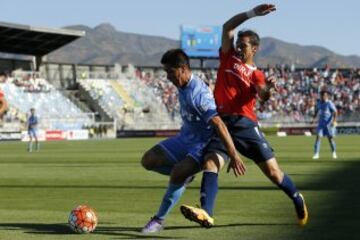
122, 232
337, 214
37, 228
63, 229
232, 225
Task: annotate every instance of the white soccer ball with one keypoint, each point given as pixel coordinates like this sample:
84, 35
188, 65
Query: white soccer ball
82, 219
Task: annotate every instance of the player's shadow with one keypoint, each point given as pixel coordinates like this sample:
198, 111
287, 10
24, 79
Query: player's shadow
37, 228
63, 229
231, 225
118, 232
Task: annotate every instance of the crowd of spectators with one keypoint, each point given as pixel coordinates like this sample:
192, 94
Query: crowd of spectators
298, 91
156, 79
295, 100
30, 82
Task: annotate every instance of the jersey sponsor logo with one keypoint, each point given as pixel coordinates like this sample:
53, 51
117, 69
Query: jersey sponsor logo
242, 69
189, 116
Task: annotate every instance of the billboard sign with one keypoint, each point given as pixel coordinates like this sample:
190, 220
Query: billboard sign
201, 41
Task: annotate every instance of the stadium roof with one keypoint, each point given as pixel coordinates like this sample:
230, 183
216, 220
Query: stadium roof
36, 41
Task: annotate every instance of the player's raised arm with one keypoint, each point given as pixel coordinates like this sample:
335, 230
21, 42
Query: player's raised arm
230, 26
236, 163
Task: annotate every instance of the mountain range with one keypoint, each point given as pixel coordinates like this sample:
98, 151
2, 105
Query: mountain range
104, 44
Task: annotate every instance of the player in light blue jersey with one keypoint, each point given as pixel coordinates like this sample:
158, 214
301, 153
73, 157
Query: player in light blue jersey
32, 130
326, 123
181, 156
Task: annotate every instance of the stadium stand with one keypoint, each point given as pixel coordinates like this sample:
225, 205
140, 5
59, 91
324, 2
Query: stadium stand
299, 90
293, 103
132, 103
25, 90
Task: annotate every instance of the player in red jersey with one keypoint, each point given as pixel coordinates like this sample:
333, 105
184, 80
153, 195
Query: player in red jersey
3, 104
238, 85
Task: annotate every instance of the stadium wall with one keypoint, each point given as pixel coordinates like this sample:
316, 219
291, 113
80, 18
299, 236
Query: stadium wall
348, 129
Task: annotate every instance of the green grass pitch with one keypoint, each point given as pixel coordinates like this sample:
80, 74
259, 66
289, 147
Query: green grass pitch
38, 190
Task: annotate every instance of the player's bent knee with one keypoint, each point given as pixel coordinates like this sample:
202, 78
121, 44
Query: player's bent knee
272, 170
213, 163
276, 176
211, 166
181, 172
178, 177
147, 160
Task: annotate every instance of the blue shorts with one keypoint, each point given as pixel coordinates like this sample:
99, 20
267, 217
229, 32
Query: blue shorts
326, 130
177, 149
247, 137
32, 132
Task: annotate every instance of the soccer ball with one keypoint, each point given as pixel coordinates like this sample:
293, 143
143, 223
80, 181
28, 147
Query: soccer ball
82, 219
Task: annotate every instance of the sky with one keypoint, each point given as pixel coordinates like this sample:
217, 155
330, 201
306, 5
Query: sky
331, 24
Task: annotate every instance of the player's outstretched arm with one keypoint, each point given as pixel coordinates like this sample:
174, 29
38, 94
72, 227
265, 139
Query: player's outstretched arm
236, 163
230, 26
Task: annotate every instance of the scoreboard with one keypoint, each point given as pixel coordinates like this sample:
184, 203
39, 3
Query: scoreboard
201, 41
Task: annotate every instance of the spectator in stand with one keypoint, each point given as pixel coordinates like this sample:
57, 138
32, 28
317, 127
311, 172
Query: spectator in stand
3, 104
3, 77
297, 95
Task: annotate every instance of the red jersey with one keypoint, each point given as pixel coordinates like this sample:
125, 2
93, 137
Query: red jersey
235, 92
1, 94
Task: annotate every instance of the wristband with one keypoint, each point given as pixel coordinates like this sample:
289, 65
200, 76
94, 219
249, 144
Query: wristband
251, 13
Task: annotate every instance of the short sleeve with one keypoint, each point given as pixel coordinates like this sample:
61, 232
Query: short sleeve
225, 56
204, 104
332, 107
258, 78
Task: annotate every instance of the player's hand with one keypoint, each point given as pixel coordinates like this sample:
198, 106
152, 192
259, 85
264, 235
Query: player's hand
237, 166
271, 82
334, 124
264, 9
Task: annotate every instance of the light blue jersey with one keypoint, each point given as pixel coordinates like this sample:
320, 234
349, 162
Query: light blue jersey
32, 122
197, 107
325, 110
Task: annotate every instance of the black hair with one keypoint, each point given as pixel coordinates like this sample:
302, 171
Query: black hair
322, 92
254, 37
175, 58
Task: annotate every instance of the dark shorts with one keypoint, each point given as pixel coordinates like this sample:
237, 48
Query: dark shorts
247, 137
